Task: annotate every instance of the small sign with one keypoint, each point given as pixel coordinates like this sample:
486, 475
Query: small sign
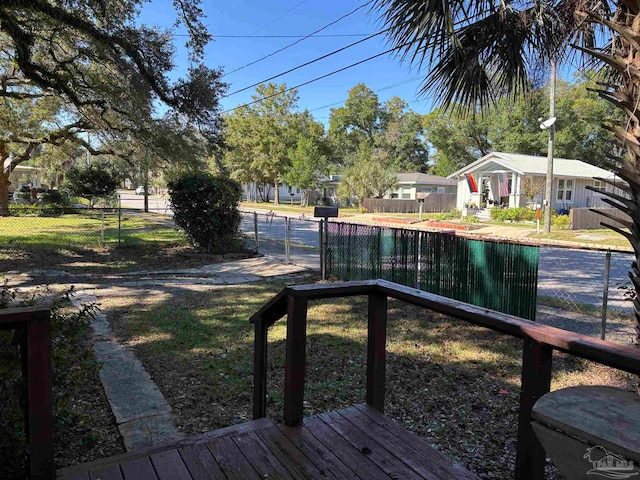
325, 212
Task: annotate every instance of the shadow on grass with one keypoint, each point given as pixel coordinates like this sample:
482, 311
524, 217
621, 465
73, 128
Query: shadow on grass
454, 383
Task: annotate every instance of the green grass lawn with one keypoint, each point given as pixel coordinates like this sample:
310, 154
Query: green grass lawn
73, 243
601, 236
84, 229
452, 382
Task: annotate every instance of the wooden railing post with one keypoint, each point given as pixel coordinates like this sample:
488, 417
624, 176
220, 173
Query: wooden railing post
376, 350
295, 360
536, 381
260, 370
36, 361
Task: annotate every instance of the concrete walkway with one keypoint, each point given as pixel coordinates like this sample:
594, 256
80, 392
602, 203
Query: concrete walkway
141, 411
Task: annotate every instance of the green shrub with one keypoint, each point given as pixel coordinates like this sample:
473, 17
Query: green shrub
49, 210
91, 182
72, 360
561, 221
520, 214
206, 207
452, 214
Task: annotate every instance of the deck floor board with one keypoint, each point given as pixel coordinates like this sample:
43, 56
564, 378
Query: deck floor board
356, 443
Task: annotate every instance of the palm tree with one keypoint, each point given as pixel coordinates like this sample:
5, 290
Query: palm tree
477, 51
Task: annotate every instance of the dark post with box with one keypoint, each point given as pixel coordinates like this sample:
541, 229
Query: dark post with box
326, 213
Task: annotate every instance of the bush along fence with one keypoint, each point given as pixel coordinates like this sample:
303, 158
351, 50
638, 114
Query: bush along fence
496, 275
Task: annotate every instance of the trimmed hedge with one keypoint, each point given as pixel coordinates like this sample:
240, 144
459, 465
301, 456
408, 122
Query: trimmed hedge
206, 207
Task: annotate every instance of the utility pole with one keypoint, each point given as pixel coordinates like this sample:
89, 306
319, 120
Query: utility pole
552, 131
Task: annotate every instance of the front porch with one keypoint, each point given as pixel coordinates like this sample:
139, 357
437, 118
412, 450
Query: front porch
352, 443
356, 442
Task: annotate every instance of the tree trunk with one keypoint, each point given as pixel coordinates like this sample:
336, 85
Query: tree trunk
276, 195
146, 189
4, 194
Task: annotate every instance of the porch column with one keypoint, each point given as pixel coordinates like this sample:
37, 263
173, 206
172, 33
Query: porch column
514, 195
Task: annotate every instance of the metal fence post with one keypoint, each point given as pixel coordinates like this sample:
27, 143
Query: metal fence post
323, 253
102, 227
287, 239
605, 293
119, 217
255, 229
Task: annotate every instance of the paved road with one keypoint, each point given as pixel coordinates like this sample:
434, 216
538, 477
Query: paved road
157, 203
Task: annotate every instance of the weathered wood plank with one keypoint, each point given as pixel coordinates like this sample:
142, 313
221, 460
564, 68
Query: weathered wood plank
231, 460
366, 445
344, 450
200, 463
36, 364
110, 472
295, 360
320, 455
169, 466
139, 469
260, 457
296, 463
376, 350
537, 361
413, 450
604, 416
221, 432
260, 369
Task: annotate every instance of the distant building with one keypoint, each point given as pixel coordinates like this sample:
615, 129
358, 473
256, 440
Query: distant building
410, 184
514, 180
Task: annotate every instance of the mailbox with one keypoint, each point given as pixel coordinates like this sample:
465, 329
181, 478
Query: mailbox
325, 212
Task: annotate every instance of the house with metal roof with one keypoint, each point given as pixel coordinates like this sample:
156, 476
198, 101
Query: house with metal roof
411, 185
514, 180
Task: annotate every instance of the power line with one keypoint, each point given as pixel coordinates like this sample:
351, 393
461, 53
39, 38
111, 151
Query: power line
316, 79
278, 18
378, 90
326, 35
305, 64
300, 39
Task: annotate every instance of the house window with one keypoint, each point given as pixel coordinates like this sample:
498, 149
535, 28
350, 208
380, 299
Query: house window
425, 189
565, 190
406, 196
599, 185
440, 189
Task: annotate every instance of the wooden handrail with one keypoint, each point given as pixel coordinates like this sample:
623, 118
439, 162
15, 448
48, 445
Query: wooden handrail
34, 324
539, 342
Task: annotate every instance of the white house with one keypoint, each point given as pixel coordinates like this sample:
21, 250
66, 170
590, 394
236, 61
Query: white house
515, 180
409, 184
23, 175
251, 192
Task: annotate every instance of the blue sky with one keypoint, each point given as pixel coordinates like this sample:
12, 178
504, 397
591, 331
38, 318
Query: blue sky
248, 17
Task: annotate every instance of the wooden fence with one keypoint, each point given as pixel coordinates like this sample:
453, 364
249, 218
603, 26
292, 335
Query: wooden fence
433, 203
585, 218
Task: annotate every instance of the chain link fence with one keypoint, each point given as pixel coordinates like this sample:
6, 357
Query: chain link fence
77, 227
584, 291
293, 240
570, 285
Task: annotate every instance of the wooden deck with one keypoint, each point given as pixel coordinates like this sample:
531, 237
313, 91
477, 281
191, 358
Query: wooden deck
354, 443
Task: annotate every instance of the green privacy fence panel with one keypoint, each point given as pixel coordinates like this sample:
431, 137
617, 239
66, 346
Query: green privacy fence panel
495, 275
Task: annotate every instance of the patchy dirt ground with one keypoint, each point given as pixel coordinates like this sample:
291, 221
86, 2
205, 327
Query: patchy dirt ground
455, 384
109, 260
